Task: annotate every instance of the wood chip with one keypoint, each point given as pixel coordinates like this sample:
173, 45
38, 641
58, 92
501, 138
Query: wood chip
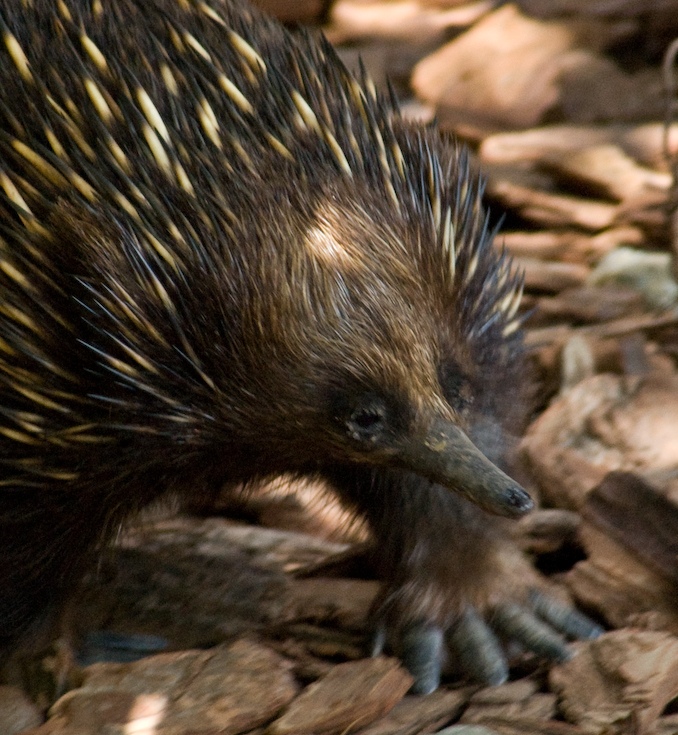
615, 328
604, 423
553, 210
17, 712
629, 533
351, 696
637, 515
590, 305
469, 73
403, 20
569, 246
644, 143
344, 602
620, 682
619, 587
545, 530
550, 276
413, 715
520, 726
566, 458
606, 171
229, 691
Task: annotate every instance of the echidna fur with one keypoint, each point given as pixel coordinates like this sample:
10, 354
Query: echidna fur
207, 227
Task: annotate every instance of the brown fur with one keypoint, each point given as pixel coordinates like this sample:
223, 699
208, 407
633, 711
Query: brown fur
161, 337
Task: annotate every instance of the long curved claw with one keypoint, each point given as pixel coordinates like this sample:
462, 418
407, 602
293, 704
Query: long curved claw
567, 620
474, 645
422, 654
477, 649
523, 626
378, 642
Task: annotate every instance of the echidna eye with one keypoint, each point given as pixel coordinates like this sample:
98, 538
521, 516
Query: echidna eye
368, 419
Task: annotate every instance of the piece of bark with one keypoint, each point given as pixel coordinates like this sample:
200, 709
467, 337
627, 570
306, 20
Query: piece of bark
637, 515
589, 304
413, 715
606, 171
306, 667
546, 530
228, 690
583, 355
551, 276
515, 726
629, 325
17, 712
569, 246
553, 210
604, 423
508, 693
618, 683
402, 20
198, 582
593, 89
648, 212
511, 70
466, 730
193, 582
343, 602
643, 426
667, 725
557, 336
629, 533
649, 273
644, 143
270, 549
566, 459
505, 69
515, 707
577, 363
326, 642
351, 696
596, 8
619, 588
483, 710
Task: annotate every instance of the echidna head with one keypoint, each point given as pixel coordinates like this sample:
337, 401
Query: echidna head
373, 359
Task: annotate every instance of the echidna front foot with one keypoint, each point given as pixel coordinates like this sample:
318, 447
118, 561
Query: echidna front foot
470, 645
456, 588
473, 647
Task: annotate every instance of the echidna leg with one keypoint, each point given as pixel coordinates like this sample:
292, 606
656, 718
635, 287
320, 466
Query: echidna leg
454, 584
43, 549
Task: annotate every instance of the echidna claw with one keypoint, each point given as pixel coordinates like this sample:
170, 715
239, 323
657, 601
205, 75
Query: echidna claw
567, 620
422, 654
477, 650
474, 646
523, 626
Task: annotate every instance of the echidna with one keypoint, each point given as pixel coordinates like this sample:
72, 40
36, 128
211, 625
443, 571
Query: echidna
223, 258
